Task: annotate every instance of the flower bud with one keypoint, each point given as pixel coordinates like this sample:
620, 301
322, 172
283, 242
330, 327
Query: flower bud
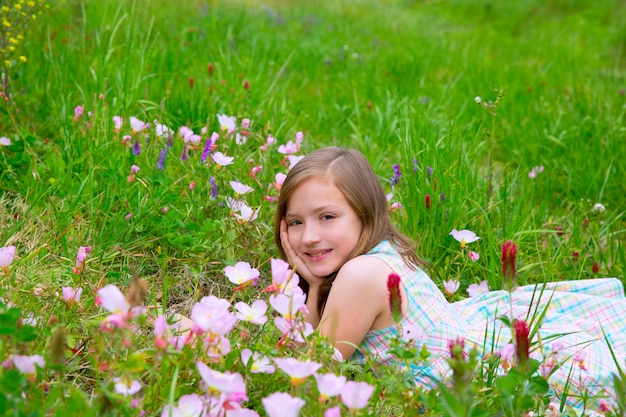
395, 298
427, 201
522, 344
509, 253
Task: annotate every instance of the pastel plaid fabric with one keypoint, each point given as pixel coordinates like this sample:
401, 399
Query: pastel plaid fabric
578, 318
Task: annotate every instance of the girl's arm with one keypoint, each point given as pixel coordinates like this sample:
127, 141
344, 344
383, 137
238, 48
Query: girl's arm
358, 302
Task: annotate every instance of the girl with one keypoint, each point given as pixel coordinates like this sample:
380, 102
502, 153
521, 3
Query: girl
333, 225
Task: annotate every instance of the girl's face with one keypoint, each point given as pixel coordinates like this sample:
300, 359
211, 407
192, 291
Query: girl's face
323, 229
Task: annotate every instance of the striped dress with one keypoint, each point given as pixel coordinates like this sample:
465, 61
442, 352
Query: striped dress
580, 317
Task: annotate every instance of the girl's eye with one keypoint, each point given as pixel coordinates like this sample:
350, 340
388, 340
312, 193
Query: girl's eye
327, 217
293, 223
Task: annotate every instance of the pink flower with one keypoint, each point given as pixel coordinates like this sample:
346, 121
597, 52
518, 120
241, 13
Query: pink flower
289, 148
451, 286
280, 404
134, 169
355, 395
506, 355
227, 123
476, 289
188, 406
293, 160
412, 333
260, 364
7, 254
83, 251
4, 141
329, 385
242, 274
474, 256
255, 170
117, 122
545, 369
288, 305
283, 279
241, 412
71, 295
269, 142
162, 130
222, 160
293, 330
579, 357
246, 214
298, 371
254, 314
28, 364
464, 236
218, 382
216, 321
333, 412
112, 300
240, 188
126, 386
78, 111
534, 171
279, 179
192, 185
137, 125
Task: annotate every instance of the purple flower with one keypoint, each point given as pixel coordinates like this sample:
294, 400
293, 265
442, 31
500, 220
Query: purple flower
161, 161
136, 148
207, 150
396, 175
184, 156
213, 188
414, 165
429, 172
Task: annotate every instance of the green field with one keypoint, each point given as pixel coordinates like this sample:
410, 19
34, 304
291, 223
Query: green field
467, 97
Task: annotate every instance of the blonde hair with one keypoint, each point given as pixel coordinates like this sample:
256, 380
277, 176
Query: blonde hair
355, 178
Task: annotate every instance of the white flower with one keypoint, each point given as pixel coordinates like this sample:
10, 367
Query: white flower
222, 160
240, 188
464, 236
598, 208
476, 289
477, 99
4, 141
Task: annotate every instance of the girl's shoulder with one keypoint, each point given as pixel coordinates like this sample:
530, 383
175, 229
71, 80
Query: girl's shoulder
363, 269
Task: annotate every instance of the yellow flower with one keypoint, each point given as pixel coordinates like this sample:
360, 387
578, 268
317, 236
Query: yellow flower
13, 41
23, 58
5, 9
31, 4
11, 48
6, 23
34, 16
18, 7
7, 63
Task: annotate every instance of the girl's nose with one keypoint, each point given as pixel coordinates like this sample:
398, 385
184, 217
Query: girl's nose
311, 234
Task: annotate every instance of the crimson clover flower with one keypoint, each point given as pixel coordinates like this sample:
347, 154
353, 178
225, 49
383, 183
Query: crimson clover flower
509, 253
395, 298
522, 344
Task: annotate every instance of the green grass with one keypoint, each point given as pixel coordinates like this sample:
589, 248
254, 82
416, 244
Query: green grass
394, 79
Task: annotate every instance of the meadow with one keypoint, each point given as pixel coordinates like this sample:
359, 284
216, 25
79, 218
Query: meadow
118, 122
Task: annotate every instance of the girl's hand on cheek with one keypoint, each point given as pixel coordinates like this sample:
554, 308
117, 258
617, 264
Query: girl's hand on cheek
294, 260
